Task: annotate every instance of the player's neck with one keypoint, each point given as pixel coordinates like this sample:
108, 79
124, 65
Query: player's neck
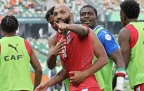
65, 33
131, 20
93, 27
9, 34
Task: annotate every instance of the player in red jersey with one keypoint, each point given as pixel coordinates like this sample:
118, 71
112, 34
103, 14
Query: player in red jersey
74, 43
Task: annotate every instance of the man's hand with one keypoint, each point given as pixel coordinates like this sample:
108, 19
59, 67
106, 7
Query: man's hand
42, 87
61, 27
77, 78
59, 46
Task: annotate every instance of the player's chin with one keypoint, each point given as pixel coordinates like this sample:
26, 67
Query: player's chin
88, 24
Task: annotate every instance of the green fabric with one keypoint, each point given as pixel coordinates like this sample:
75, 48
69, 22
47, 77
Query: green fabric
67, 82
98, 29
98, 76
104, 75
135, 68
14, 65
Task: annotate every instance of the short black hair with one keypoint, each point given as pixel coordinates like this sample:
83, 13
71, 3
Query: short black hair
49, 13
130, 8
9, 24
89, 6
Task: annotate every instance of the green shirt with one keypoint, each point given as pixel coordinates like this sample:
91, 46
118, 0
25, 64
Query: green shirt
135, 67
14, 65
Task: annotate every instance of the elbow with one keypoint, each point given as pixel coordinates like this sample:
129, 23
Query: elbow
50, 66
105, 60
84, 33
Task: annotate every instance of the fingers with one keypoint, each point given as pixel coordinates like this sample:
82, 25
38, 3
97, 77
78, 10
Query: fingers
61, 27
60, 53
57, 25
62, 41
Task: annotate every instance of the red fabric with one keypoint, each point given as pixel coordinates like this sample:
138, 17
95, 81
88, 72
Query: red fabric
120, 74
79, 56
133, 35
139, 87
90, 83
27, 45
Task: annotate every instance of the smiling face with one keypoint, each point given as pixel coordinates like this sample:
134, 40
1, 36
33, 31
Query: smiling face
62, 14
88, 17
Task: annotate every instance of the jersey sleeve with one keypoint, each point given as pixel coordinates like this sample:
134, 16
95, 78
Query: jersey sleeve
108, 42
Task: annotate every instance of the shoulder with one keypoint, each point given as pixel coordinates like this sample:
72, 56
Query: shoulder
52, 40
53, 37
124, 35
104, 34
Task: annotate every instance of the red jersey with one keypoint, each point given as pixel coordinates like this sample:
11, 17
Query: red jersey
78, 56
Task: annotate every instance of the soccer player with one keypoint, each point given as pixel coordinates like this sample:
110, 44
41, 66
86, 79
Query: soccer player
131, 40
15, 58
88, 16
51, 64
77, 52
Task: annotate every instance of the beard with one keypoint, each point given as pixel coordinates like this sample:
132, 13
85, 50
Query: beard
67, 20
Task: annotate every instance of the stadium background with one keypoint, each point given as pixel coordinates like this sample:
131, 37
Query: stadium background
36, 30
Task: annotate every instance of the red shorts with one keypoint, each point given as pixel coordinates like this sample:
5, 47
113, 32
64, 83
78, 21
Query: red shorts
89, 89
139, 87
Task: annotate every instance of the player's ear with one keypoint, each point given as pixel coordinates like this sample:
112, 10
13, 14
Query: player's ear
124, 17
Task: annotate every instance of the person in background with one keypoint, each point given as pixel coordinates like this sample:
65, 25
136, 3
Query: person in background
16, 55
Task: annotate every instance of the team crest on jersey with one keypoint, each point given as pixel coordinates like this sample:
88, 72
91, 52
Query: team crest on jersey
68, 39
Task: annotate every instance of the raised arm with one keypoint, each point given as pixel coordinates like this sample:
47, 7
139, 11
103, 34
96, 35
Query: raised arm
79, 29
54, 50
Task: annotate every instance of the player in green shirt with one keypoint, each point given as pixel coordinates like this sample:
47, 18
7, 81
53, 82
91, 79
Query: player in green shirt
131, 40
15, 58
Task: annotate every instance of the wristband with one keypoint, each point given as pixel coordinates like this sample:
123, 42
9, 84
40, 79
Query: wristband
120, 72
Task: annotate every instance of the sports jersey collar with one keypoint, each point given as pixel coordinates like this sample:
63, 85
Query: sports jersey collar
96, 27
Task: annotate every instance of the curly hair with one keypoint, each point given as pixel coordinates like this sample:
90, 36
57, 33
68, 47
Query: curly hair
9, 24
130, 8
49, 13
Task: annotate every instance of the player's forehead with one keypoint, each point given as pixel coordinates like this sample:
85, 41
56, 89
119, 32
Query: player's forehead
87, 9
61, 7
